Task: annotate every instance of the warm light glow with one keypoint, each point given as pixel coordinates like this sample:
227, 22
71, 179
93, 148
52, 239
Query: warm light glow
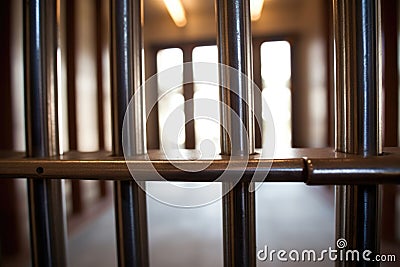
176, 11
276, 76
206, 130
171, 99
256, 7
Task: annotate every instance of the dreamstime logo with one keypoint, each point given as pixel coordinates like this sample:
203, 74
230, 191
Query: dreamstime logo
341, 243
340, 253
206, 74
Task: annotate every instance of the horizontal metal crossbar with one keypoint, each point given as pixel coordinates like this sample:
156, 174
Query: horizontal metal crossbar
311, 166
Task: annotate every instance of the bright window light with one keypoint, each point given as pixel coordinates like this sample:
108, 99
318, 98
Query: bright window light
206, 131
276, 74
170, 99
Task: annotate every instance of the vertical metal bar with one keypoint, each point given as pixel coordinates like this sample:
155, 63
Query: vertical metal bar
358, 118
100, 32
257, 92
71, 69
76, 185
127, 76
99, 29
188, 93
234, 47
46, 205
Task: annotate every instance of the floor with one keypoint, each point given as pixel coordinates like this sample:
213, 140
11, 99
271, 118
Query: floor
289, 216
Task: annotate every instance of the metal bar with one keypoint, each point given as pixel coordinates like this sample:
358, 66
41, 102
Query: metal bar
71, 69
100, 32
358, 85
369, 87
77, 203
77, 199
311, 166
46, 206
188, 92
234, 47
257, 92
127, 76
100, 45
370, 171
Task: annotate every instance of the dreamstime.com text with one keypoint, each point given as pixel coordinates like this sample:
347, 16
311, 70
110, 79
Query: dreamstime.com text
339, 253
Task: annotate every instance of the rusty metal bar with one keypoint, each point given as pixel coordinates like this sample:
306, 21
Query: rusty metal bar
46, 204
358, 131
127, 76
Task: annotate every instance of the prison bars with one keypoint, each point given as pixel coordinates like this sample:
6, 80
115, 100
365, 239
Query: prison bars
46, 205
309, 166
234, 50
127, 76
358, 87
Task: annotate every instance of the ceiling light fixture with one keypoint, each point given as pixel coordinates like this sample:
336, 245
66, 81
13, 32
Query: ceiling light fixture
176, 11
256, 7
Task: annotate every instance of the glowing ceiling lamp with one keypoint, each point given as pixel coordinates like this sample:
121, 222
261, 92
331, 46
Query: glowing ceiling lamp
176, 11
256, 7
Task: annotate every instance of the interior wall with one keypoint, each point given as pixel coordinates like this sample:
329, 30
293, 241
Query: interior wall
304, 20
